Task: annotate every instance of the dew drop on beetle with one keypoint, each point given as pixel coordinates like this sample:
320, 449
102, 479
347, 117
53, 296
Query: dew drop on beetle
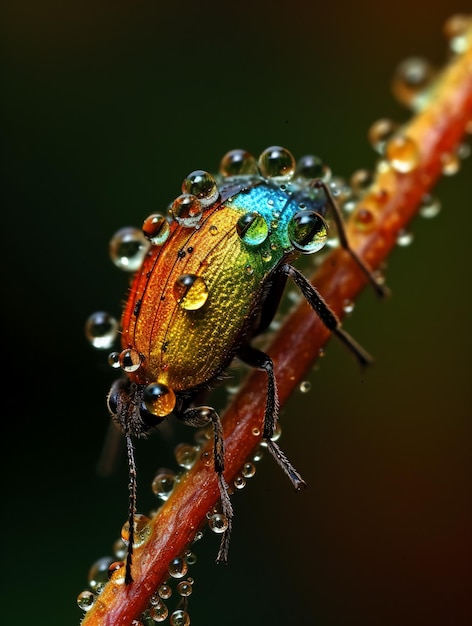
190, 291
307, 231
159, 399
128, 247
238, 163
165, 591
178, 567
202, 185
101, 330
114, 360
455, 29
252, 228
411, 80
218, 523
311, 167
159, 612
179, 618
186, 455
277, 164
430, 206
163, 484
184, 588
130, 360
156, 228
402, 153
141, 530
380, 132
186, 210
85, 600
98, 573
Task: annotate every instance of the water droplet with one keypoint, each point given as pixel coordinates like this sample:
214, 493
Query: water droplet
252, 228
238, 163
380, 133
184, 588
114, 360
115, 566
266, 256
402, 154
249, 269
141, 530
163, 484
98, 573
178, 568
159, 612
127, 248
206, 458
258, 455
430, 206
202, 185
277, 164
305, 386
213, 229
85, 600
360, 181
411, 80
450, 164
239, 482
130, 360
191, 559
364, 218
165, 591
218, 523
256, 431
186, 210
248, 469
120, 549
186, 455
190, 291
312, 167
179, 618
308, 231
159, 399
156, 228
101, 330
404, 237
455, 29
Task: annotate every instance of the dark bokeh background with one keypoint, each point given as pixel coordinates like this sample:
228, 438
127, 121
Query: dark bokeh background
105, 109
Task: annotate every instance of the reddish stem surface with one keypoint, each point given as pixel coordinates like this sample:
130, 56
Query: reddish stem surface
391, 202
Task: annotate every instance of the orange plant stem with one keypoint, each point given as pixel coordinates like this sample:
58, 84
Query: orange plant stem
391, 202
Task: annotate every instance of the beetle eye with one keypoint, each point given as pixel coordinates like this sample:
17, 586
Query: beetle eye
202, 185
159, 399
277, 163
307, 231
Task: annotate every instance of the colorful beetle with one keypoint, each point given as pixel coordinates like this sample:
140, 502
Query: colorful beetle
211, 280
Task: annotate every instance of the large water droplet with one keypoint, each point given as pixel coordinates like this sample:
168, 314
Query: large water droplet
380, 133
252, 228
141, 530
186, 210
218, 523
98, 573
450, 164
184, 588
159, 612
430, 206
178, 568
130, 360
101, 330
202, 185
402, 154
277, 163
455, 29
190, 291
127, 248
186, 455
156, 228
179, 618
159, 399
307, 231
238, 163
312, 167
411, 80
163, 484
85, 600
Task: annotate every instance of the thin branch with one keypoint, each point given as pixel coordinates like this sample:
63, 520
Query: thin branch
373, 228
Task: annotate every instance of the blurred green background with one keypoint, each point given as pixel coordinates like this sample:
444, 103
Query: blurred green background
105, 108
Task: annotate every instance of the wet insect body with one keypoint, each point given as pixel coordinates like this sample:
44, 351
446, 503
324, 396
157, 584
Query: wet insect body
211, 281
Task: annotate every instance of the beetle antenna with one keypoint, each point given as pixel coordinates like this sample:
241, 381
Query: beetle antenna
132, 507
380, 289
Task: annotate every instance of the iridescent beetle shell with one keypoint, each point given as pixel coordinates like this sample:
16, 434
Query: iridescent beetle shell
200, 289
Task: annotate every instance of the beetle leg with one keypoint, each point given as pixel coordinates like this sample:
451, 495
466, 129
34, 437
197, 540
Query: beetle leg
380, 289
327, 316
197, 417
258, 359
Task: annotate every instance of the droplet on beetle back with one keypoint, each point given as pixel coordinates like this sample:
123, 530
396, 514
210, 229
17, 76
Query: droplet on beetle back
159, 399
307, 231
402, 154
156, 228
305, 386
98, 573
163, 484
238, 163
101, 330
248, 470
190, 291
277, 163
186, 455
159, 612
364, 219
184, 588
141, 530
252, 228
178, 567
455, 29
450, 164
202, 185
127, 248
312, 167
218, 523
411, 80
404, 238
430, 206
380, 133
179, 618
85, 600
360, 181
186, 210
130, 360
